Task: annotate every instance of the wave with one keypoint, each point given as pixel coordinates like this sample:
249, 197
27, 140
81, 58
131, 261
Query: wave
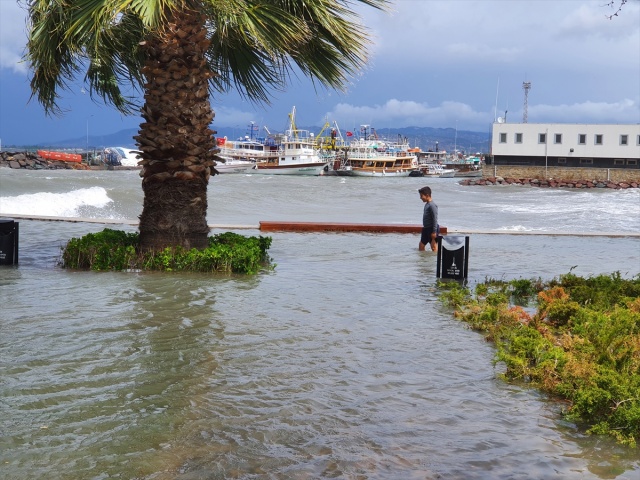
516, 228
67, 204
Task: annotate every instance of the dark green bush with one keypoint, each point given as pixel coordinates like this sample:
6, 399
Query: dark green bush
582, 344
106, 250
115, 250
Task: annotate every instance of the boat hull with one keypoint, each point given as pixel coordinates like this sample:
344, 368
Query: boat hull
302, 169
436, 170
233, 166
467, 170
355, 172
469, 173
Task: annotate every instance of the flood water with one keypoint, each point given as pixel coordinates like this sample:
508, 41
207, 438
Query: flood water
338, 363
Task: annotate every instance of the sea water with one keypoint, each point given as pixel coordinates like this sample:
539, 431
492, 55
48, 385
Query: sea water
338, 363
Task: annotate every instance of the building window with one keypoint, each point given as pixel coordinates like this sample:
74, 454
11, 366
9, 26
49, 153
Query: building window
562, 160
518, 138
598, 139
632, 161
586, 161
624, 139
542, 138
638, 140
503, 138
618, 161
557, 139
582, 139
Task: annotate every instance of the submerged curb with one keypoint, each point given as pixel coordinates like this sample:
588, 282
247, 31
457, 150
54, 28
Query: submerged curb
284, 226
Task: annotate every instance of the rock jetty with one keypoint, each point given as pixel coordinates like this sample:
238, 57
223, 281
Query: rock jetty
33, 161
549, 183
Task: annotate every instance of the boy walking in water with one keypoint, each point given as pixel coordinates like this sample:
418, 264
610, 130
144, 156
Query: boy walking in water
429, 221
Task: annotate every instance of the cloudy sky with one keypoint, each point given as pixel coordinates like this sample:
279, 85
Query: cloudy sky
434, 63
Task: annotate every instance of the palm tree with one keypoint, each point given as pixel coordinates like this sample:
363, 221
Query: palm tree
179, 53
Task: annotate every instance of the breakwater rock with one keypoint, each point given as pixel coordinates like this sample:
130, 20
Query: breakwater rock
549, 183
33, 161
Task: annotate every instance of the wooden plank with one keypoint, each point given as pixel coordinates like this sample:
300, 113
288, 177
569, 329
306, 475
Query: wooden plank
272, 226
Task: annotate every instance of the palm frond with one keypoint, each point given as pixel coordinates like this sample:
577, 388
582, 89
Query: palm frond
256, 45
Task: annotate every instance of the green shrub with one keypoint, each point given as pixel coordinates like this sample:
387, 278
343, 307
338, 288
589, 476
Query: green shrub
582, 344
115, 250
559, 313
106, 250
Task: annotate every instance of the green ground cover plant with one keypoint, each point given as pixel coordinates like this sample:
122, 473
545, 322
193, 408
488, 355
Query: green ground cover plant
575, 338
111, 250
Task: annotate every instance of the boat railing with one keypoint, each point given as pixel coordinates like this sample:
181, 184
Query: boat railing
293, 135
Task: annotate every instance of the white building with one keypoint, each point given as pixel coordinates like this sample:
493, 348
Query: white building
566, 145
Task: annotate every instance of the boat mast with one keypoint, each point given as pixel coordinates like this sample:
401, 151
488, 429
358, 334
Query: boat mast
455, 143
253, 131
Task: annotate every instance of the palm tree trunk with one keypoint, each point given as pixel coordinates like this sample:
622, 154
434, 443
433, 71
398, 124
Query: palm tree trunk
175, 141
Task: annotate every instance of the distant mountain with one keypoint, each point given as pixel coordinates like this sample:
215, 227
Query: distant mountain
448, 139
122, 138
427, 138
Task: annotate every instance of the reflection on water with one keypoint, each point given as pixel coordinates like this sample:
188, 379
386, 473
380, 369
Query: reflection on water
339, 363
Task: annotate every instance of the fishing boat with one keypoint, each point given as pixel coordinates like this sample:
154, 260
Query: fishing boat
430, 156
236, 156
233, 165
437, 170
468, 171
370, 156
469, 166
298, 154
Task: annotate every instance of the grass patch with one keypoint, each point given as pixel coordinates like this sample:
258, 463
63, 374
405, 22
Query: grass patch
111, 250
580, 342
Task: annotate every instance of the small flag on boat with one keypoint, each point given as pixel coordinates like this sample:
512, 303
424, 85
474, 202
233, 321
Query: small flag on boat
349, 134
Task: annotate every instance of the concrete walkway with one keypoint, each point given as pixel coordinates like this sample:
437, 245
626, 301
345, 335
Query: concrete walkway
279, 226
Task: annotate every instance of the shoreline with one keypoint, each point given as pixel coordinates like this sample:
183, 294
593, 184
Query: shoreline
31, 161
549, 183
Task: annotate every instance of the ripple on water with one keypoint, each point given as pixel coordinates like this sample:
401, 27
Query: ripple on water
339, 363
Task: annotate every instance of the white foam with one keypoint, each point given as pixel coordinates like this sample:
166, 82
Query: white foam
515, 228
66, 204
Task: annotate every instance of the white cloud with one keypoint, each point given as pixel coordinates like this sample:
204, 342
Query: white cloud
624, 111
449, 114
590, 20
409, 113
13, 36
231, 116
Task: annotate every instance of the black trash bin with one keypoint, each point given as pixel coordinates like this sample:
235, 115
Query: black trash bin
453, 257
8, 242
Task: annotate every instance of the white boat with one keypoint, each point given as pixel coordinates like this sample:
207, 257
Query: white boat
437, 170
298, 154
233, 165
370, 156
236, 156
119, 157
